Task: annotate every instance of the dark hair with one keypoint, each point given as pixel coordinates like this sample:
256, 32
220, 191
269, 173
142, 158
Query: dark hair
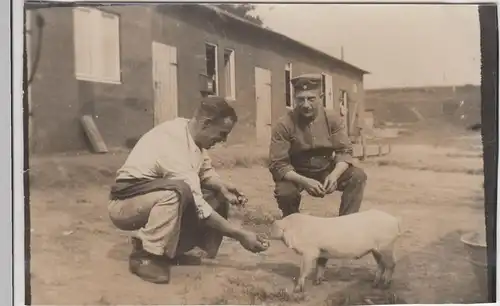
215, 109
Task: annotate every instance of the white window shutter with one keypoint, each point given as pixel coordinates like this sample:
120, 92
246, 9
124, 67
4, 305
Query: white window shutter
82, 42
97, 45
110, 47
97, 49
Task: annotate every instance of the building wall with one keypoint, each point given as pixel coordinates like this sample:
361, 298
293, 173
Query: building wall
121, 111
252, 48
125, 111
53, 90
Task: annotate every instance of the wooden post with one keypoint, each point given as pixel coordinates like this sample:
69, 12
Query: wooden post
95, 138
363, 144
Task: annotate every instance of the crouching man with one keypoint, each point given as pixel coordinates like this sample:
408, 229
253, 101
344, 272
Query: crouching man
310, 150
169, 193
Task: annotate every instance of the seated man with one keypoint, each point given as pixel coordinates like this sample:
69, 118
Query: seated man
310, 150
168, 191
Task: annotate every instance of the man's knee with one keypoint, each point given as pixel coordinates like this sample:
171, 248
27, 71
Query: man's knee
358, 175
286, 190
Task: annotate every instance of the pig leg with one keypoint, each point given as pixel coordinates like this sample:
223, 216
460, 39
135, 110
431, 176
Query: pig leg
320, 270
389, 262
307, 265
380, 268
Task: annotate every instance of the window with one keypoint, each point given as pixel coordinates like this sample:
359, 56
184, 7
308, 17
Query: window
97, 45
229, 74
288, 86
211, 61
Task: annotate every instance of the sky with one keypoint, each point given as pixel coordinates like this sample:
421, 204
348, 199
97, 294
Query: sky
400, 45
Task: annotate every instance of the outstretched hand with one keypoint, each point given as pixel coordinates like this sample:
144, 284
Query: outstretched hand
233, 195
253, 242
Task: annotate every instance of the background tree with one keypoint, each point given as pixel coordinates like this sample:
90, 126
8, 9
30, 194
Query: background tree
243, 11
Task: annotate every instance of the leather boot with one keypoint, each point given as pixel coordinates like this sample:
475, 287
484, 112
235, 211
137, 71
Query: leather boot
149, 267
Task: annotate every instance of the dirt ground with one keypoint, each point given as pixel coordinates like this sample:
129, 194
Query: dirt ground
78, 257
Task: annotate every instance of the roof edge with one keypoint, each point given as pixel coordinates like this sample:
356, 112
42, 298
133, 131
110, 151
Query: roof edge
243, 20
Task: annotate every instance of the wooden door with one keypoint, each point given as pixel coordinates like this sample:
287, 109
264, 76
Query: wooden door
328, 91
165, 82
344, 110
264, 104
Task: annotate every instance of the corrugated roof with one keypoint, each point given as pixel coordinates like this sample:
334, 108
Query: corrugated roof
282, 36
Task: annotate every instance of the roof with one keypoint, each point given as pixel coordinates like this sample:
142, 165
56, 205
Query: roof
232, 16
29, 4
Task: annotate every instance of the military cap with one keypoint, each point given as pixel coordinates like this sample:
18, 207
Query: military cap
306, 82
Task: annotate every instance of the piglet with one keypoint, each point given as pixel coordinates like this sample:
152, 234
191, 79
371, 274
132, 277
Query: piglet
353, 236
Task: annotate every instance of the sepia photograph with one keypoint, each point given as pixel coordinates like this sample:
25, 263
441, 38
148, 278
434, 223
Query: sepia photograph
256, 153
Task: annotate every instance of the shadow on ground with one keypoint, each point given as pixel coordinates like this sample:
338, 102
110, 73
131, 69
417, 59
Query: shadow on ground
437, 266
444, 275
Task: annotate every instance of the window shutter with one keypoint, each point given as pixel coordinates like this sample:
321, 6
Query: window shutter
82, 17
110, 47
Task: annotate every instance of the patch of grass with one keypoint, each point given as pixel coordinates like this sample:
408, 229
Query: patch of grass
258, 220
364, 297
243, 292
258, 217
433, 168
220, 301
239, 156
259, 295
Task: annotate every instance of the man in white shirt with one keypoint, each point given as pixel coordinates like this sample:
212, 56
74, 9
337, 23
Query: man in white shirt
169, 193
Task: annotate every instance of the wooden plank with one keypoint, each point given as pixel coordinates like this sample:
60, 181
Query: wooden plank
90, 128
353, 116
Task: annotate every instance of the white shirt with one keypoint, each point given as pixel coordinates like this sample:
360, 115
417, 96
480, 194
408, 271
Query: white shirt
169, 151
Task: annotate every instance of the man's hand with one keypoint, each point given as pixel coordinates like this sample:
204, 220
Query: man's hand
249, 240
330, 184
233, 195
253, 242
313, 187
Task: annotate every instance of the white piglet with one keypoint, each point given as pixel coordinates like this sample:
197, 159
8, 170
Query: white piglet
353, 236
